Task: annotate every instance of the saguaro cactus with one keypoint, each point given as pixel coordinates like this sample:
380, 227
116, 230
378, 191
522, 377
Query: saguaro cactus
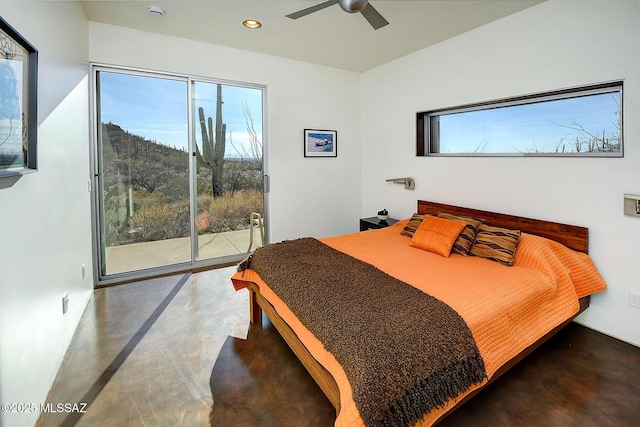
213, 146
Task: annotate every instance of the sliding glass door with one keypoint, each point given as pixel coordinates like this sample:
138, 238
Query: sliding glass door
178, 171
227, 135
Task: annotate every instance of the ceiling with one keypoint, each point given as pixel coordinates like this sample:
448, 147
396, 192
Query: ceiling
328, 37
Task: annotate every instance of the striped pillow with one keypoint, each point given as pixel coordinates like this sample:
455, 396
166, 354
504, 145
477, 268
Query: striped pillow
495, 243
412, 225
463, 243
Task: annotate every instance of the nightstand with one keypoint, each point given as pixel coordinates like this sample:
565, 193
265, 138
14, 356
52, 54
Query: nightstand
373, 223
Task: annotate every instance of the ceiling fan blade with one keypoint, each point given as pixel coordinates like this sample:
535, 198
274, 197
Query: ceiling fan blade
304, 12
373, 16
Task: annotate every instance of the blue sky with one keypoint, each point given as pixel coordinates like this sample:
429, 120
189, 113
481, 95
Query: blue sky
156, 108
527, 127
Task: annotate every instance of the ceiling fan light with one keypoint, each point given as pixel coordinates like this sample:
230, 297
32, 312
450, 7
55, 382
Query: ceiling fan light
352, 6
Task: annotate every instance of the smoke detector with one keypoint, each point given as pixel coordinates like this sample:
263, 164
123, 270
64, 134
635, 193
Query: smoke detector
155, 11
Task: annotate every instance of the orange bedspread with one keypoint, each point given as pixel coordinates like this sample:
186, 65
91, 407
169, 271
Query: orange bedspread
506, 308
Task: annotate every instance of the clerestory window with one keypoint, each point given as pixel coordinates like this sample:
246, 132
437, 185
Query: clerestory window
585, 121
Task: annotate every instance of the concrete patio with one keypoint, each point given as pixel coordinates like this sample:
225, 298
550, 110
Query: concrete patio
138, 256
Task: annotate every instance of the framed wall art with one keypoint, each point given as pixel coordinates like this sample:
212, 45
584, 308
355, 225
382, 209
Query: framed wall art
320, 143
18, 103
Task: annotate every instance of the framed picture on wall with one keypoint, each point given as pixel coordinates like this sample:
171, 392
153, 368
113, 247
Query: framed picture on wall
320, 143
18, 103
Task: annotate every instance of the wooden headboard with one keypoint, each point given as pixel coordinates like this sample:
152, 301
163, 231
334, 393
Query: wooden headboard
572, 236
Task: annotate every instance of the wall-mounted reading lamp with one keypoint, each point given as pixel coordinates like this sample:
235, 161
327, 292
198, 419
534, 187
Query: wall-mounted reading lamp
409, 183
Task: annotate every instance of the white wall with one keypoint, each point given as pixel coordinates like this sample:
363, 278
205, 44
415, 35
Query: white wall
45, 227
45, 217
309, 196
556, 44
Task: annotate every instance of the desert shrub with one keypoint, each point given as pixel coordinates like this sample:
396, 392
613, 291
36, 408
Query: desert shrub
155, 218
249, 201
163, 221
176, 188
146, 198
241, 175
231, 211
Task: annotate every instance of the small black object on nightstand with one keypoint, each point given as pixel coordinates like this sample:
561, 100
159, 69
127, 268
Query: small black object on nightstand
373, 223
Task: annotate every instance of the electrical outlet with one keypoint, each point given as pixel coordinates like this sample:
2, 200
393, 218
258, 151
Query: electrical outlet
634, 299
65, 303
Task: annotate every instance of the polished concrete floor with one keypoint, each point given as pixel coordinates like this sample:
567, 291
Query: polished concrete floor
178, 351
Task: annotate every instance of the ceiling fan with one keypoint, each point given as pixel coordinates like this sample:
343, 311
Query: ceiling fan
352, 6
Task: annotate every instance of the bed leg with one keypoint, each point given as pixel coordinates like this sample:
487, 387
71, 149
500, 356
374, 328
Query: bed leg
255, 311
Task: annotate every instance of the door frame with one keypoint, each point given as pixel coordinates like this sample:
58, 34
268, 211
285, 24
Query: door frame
193, 265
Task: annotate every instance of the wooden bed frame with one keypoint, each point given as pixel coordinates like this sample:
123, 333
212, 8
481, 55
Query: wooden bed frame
574, 237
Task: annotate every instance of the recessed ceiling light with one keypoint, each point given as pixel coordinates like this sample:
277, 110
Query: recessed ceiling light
155, 11
252, 23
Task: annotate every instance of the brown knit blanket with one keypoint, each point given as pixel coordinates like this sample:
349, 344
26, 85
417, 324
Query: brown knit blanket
403, 351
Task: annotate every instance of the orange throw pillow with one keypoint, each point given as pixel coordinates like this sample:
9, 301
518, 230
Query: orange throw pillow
437, 235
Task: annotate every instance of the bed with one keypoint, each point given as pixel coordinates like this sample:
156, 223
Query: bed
507, 306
